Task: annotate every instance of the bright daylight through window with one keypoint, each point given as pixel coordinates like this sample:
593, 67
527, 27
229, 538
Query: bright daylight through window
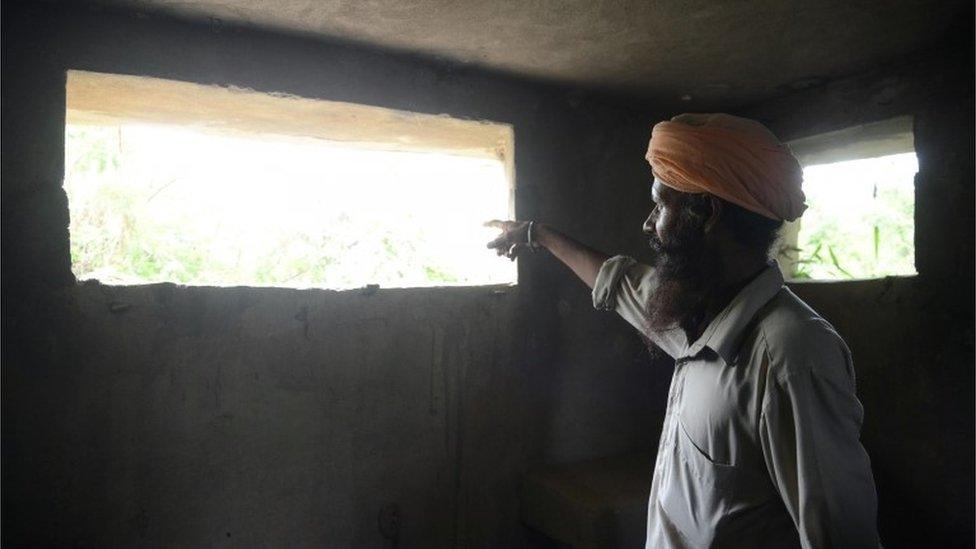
860, 191
175, 182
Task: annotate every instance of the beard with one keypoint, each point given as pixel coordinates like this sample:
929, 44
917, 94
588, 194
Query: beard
688, 274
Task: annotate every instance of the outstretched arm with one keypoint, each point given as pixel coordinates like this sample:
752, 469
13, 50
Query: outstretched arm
583, 260
625, 285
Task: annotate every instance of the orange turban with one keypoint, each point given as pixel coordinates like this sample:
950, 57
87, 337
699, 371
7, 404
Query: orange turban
733, 158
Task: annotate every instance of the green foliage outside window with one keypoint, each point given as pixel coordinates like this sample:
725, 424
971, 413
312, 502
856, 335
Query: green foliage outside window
147, 205
860, 221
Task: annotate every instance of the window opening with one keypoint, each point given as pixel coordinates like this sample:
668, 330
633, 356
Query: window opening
860, 192
167, 182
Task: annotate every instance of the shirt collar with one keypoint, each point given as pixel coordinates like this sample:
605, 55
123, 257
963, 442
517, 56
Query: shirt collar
725, 331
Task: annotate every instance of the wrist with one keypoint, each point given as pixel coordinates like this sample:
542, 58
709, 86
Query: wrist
540, 234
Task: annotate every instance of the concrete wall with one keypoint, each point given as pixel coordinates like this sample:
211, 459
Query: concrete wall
911, 338
171, 416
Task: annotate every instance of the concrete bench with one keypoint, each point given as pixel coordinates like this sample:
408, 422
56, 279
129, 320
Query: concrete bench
597, 503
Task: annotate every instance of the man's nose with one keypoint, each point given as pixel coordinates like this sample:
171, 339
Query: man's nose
649, 223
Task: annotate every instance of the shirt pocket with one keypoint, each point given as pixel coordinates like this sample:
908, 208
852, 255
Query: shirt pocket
700, 494
708, 471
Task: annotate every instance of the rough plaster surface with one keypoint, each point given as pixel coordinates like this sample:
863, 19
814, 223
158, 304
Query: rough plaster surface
244, 417
717, 52
106, 98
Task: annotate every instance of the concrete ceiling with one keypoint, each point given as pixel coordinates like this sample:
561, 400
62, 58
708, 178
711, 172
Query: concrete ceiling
715, 52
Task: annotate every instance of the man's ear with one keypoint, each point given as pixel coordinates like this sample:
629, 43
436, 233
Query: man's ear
716, 213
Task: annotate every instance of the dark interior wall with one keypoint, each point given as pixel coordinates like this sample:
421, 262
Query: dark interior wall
171, 416
911, 338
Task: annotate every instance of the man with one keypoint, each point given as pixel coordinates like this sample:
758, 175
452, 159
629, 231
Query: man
760, 445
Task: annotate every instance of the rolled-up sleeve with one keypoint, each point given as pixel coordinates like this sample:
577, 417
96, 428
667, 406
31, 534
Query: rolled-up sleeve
607, 280
623, 285
810, 437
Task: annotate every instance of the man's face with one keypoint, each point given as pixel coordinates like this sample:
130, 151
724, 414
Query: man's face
682, 256
671, 229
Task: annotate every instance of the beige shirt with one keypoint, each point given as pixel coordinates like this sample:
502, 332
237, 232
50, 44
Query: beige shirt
760, 445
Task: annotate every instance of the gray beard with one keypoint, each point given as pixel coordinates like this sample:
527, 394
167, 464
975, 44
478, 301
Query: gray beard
688, 276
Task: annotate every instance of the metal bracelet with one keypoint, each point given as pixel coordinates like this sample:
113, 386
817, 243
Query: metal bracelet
529, 242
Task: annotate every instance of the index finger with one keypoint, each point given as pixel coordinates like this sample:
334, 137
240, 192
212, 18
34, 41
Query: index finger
497, 224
